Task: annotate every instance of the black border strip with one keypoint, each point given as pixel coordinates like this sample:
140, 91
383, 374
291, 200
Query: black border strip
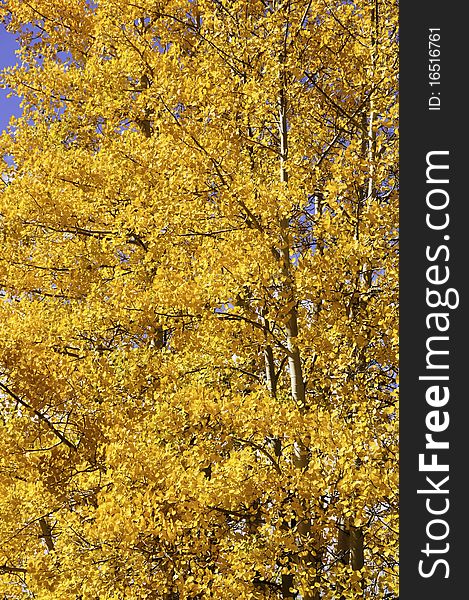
433, 130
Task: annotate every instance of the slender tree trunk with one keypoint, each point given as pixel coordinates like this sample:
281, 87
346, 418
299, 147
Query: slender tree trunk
356, 534
294, 359
287, 585
343, 550
343, 543
297, 385
356, 548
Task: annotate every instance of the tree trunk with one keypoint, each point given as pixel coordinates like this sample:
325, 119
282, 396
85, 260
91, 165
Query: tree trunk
301, 452
294, 361
356, 548
287, 585
343, 551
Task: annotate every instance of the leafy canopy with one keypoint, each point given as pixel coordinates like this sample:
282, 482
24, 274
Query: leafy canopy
198, 312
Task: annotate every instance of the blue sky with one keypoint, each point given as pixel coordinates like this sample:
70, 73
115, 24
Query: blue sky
8, 106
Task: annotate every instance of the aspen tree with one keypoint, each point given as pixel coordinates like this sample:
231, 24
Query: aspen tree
199, 302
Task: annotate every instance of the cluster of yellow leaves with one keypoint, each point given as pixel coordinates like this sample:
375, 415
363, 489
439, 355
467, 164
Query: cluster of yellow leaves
199, 213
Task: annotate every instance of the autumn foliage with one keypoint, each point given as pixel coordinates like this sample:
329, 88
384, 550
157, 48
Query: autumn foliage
199, 301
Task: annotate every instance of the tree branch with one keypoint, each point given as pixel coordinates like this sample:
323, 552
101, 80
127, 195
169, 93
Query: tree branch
39, 415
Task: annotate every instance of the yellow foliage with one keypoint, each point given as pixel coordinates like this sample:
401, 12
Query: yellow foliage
199, 301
